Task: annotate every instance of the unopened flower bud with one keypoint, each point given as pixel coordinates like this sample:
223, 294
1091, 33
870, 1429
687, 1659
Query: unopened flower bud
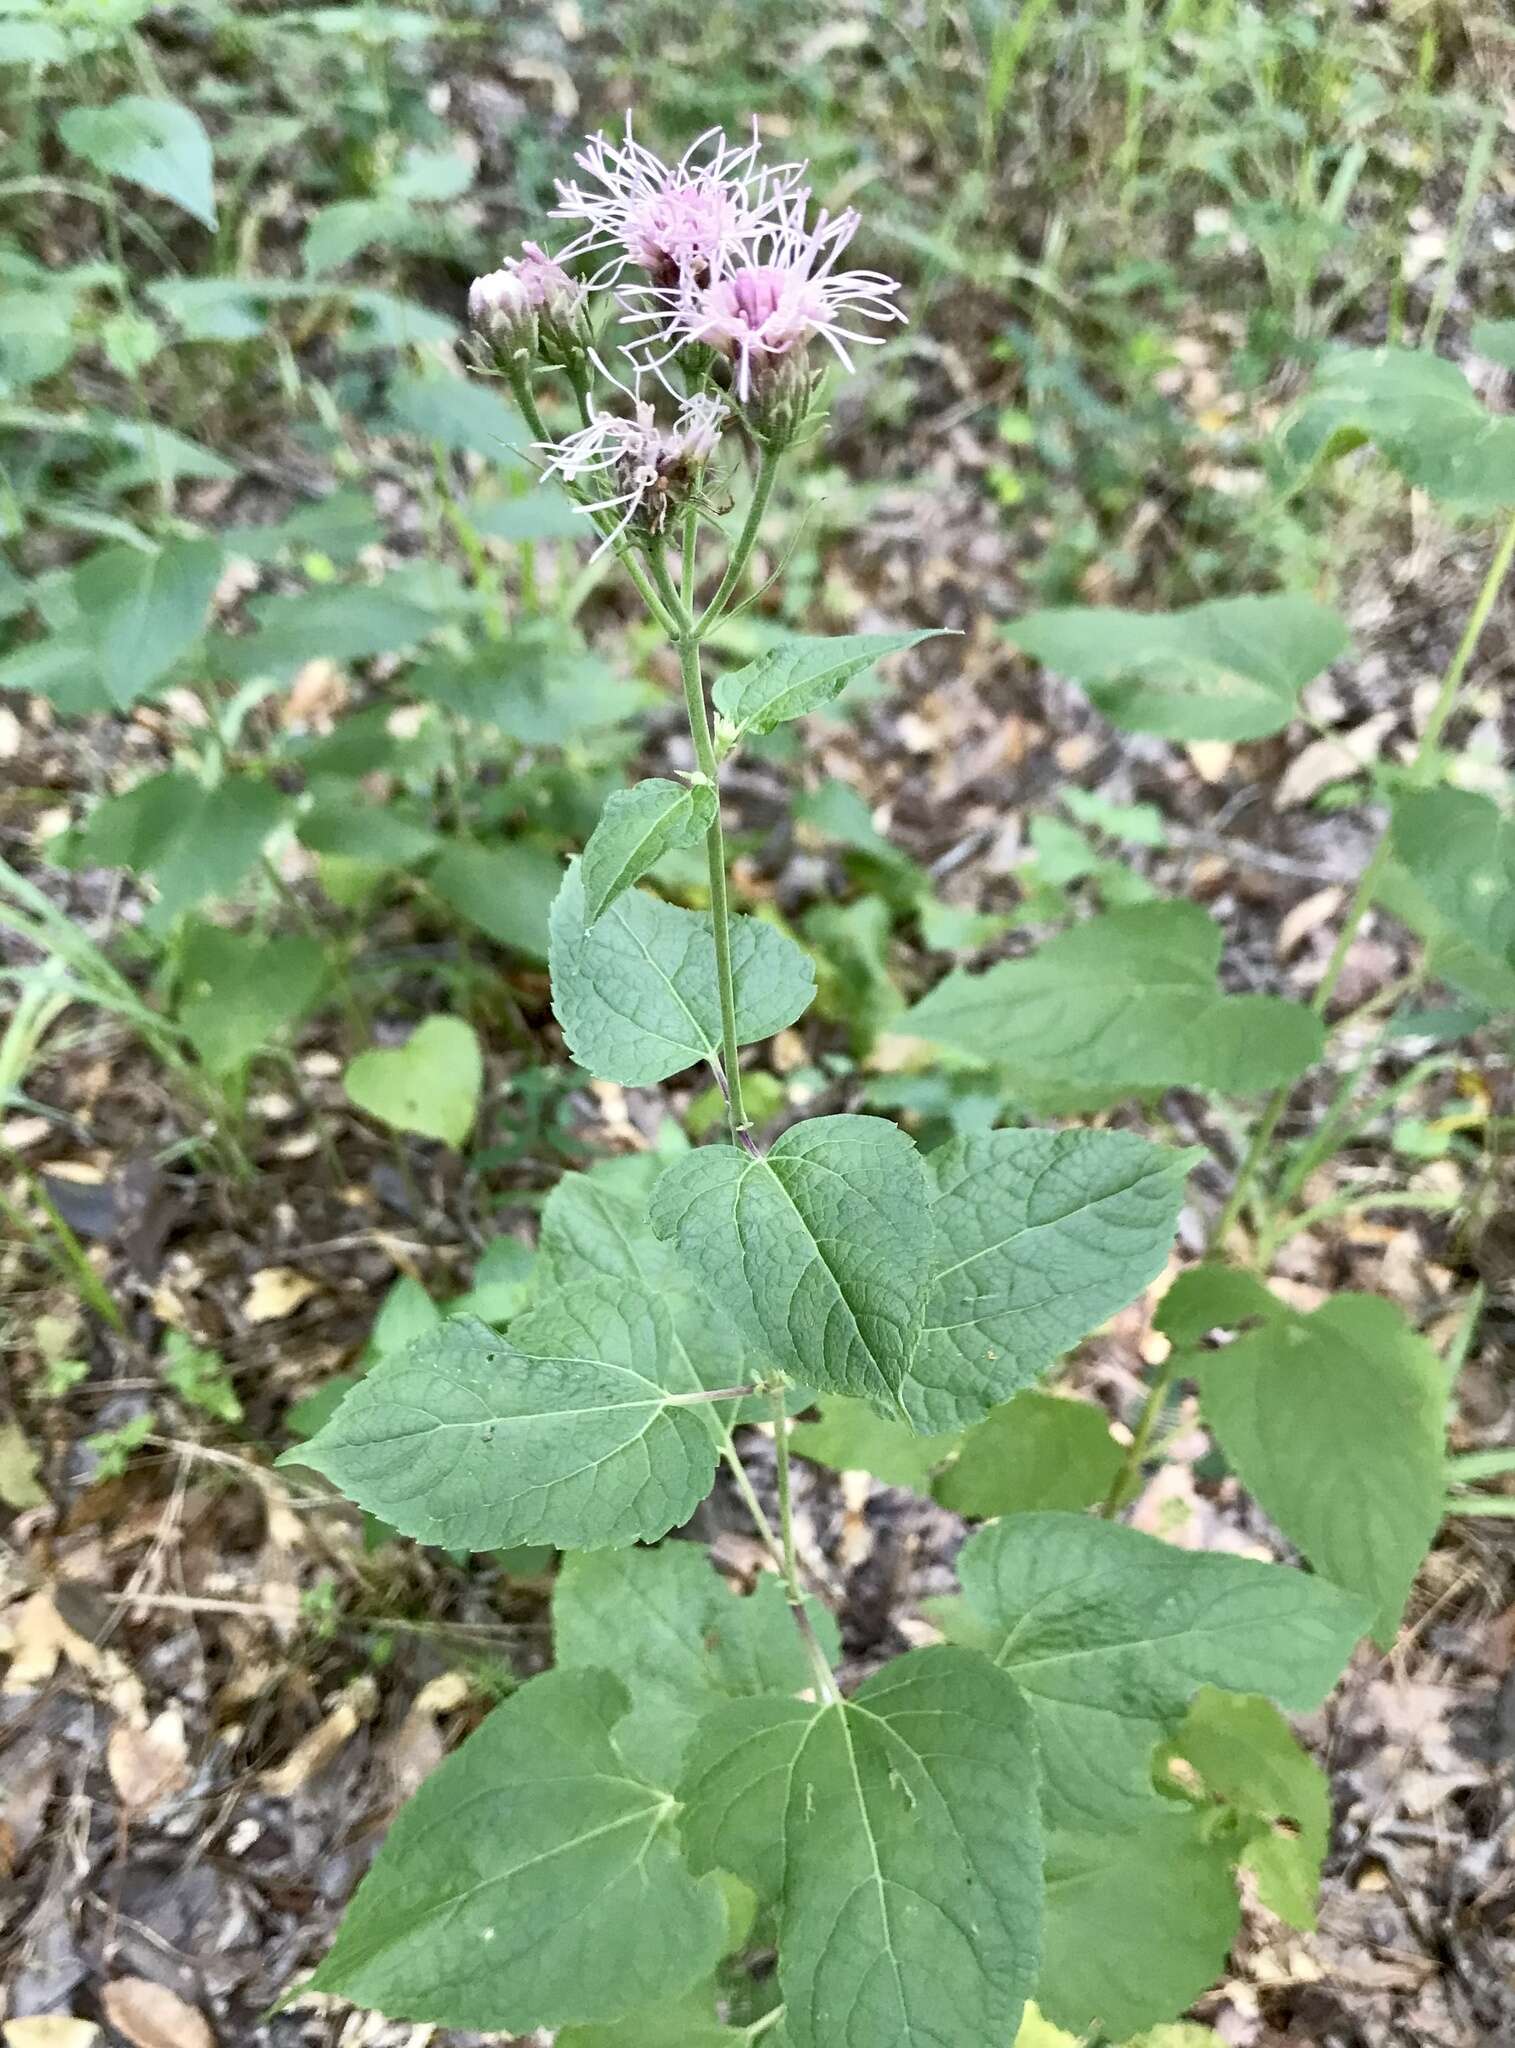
531, 305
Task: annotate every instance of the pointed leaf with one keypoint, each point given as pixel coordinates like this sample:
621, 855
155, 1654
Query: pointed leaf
1126, 1002
533, 1880
1110, 1633
819, 1251
1038, 1451
564, 1432
143, 610
899, 1832
667, 1624
1231, 669
637, 996
1038, 1236
157, 144
637, 827
802, 675
1336, 1423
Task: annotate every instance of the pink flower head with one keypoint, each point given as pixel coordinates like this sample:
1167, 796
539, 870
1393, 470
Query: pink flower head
673, 221
651, 470
775, 291
532, 286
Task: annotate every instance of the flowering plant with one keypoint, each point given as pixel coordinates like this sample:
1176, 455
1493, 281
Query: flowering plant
621, 1847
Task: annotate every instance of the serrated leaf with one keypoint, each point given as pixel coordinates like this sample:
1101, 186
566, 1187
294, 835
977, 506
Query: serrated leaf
1230, 669
157, 144
1139, 1922
1422, 415
1037, 1237
802, 675
1110, 1633
1125, 1002
1267, 1790
533, 1880
818, 1251
563, 1432
1460, 850
1038, 1451
637, 996
898, 1831
851, 1437
142, 610
431, 1084
1335, 1422
667, 1625
637, 827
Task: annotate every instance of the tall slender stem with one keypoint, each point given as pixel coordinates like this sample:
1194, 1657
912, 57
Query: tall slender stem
746, 540
824, 1680
1362, 900
720, 910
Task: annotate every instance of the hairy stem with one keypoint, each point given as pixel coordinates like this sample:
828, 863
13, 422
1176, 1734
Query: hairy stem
746, 540
715, 852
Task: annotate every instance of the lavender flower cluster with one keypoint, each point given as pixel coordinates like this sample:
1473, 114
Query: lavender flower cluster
714, 259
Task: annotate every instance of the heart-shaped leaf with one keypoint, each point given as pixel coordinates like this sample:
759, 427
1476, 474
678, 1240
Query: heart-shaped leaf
157, 144
430, 1085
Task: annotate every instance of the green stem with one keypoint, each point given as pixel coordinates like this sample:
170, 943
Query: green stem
825, 1682
720, 910
746, 540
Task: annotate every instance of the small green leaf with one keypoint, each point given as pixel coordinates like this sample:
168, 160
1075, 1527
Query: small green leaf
637, 996
1421, 414
637, 827
688, 2023
532, 1881
898, 1831
802, 675
194, 842
1038, 1451
157, 144
1122, 1004
430, 1085
819, 1252
666, 1624
1460, 850
461, 413
1038, 1237
568, 1431
143, 610
238, 992
1231, 669
1110, 1634
381, 838
341, 623
505, 890
1335, 1421
1271, 1793
851, 1437
1208, 1297
1494, 339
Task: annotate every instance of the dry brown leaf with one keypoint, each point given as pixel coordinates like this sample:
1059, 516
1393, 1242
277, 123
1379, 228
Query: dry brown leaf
1307, 917
324, 1742
36, 1636
1211, 759
50, 2030
148, 1764
1313, 769
19, 1487
276, 1292
317, 694
152, 2016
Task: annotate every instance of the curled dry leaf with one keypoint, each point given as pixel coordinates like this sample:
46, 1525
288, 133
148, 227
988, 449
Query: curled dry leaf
151, 2016
276, 1292
325, 1741
148, 1764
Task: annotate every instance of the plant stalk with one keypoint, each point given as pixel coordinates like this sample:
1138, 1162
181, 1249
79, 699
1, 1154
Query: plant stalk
825, 1682
715, 851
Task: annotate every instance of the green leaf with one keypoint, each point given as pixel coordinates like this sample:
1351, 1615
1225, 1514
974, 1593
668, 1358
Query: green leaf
506, 890
1335, 1421
1124, 1003
194, 842
1421, 414
539, 688
565, 1432
637, 995
143, 610
1231, 669
1139, 1922
637, 827
431, 1084
533, 1880
1271, 1795
851, 1437
1110, 1634
238, 992
802, 675
1460, 850
690, 2023
384, 838
1207, 1297
157, 144
461, 413
669, 1627
898, 1831
1038, 1451
819, 1252
341, 623
1494, 339
1038, 1237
